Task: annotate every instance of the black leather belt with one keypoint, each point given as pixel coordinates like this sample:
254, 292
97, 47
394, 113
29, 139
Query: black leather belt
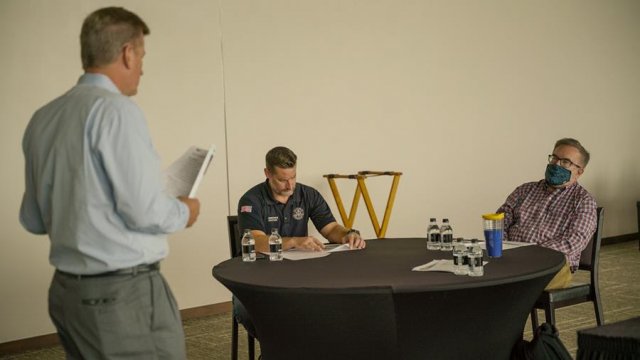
127, 271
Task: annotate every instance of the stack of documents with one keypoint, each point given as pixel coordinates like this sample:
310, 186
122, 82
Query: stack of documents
297, 254
183, 176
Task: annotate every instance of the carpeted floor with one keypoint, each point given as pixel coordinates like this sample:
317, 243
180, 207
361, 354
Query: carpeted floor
210, 337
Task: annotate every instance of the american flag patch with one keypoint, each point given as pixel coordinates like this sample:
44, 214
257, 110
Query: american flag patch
246, 208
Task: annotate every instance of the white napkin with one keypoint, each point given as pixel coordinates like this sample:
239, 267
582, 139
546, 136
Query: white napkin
439, 265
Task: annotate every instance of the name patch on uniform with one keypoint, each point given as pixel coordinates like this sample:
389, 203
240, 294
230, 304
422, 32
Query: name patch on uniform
272, 219
298, 213
246, 208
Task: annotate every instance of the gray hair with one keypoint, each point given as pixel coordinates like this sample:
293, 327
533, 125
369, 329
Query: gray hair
576, 144
281, 157
104, 33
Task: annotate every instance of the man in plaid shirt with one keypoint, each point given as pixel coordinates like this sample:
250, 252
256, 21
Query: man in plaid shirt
556, 212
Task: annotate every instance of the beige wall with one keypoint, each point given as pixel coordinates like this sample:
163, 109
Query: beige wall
465, 98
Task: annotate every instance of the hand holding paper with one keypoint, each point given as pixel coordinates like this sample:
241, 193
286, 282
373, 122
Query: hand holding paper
194, 209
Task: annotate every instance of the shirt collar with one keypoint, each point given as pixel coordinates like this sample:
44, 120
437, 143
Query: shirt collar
99, 80
551, 189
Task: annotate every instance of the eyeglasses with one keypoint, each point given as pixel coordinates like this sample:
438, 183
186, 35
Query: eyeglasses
565, 163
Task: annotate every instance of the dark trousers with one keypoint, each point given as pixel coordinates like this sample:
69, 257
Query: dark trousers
116, 317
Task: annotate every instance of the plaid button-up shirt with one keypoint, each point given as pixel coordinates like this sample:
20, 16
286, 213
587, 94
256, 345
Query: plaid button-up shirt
561, 219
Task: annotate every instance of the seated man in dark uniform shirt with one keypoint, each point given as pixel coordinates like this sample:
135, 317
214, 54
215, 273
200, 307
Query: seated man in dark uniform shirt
280, 203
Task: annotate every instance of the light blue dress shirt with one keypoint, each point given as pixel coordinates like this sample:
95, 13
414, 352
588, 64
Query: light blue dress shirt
93, 182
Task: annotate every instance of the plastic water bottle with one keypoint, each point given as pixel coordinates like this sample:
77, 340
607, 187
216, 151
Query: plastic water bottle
476, 262
460, 260
446, 236
275, 246
433, 235
248, 246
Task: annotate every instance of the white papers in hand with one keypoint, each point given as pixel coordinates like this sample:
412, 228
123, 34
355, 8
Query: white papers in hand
183, 176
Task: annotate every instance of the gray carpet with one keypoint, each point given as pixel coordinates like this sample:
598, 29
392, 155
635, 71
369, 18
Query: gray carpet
210, 337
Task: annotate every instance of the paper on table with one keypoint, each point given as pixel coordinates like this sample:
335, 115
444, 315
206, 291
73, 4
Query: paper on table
436, 265
506, 245
439, 265
336, 247
183, 176
515, 244
295, 254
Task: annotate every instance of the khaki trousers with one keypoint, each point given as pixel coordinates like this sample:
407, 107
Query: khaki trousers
562, 278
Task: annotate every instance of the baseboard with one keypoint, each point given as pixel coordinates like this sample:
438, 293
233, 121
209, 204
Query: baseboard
32, 343
620, 238
206, 310
38, 342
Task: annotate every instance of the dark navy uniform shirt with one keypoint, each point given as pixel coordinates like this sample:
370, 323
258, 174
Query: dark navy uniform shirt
257, 210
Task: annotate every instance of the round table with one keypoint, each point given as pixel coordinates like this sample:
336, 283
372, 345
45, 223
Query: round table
368, 304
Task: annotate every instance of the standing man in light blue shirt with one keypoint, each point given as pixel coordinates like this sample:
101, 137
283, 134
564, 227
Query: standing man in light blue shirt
93, 183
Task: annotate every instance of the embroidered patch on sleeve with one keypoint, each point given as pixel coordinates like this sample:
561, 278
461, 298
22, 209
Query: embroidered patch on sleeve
245, 209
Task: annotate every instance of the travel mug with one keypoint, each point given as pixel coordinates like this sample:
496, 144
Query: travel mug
493, 232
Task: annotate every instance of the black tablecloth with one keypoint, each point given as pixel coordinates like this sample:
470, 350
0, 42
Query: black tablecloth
616, 341
368, 304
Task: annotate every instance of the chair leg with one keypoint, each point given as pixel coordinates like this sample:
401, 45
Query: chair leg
252, 347
234, 338
550, 314
534, 319
598, 309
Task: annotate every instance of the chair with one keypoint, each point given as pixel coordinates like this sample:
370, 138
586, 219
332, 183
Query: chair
575, 293
235, 248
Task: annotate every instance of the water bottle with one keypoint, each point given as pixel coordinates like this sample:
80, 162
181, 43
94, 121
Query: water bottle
476, 262
248, 246
433, 235
446, 236
460, 260
275, 246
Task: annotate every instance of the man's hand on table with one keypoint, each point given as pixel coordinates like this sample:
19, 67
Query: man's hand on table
354, 240
304, 243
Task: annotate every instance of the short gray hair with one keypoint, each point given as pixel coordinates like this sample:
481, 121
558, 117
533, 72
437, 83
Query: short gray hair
104, 33
576, 144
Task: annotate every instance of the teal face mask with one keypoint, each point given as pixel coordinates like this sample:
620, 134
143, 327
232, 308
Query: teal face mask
556, 175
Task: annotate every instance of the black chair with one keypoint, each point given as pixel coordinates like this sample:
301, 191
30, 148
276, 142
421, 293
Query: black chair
575, 293
235, 247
